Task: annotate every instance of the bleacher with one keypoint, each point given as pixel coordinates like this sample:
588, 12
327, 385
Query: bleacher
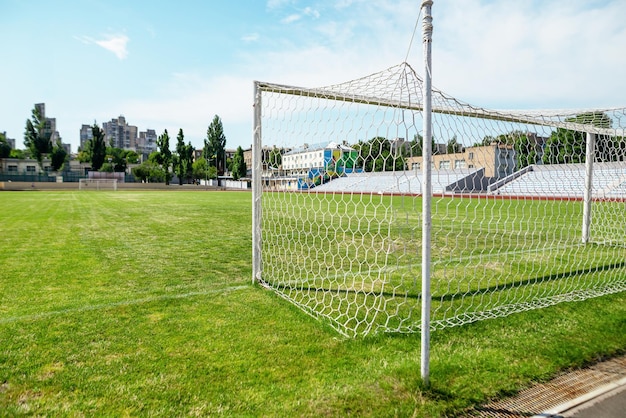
552, 181
399, 182
618, 191
567, 181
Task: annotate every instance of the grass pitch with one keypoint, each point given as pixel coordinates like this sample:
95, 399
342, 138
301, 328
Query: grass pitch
141, 303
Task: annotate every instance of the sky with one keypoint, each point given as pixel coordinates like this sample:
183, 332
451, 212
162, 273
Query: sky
176, 64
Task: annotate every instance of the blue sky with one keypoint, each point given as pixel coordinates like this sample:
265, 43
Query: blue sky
171, 65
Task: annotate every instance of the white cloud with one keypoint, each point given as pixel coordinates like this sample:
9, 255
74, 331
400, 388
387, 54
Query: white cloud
291, 18
116, 44
308, 11
517, 54
489, 54
250, 37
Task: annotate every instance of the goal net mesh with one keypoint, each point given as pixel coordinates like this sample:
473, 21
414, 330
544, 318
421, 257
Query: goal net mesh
341, 204
97, 184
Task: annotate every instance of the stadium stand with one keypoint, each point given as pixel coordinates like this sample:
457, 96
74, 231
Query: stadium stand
406, 182
565, 181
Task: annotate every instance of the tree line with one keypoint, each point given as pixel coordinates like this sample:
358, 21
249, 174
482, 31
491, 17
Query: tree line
163, 164
564, 146
561, 147
381, 154
377, 154
160, 166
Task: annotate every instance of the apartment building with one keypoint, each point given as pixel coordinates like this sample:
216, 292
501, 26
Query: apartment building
146, 143
50, 124
266, 154
86, 135
119, 134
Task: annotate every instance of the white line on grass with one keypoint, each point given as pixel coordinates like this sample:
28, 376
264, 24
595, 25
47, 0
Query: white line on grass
119, 303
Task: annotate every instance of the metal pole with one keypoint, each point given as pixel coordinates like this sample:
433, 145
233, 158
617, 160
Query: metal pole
256, 187
589, 156
427, 26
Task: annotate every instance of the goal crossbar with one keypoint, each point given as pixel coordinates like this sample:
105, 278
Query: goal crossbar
551, 118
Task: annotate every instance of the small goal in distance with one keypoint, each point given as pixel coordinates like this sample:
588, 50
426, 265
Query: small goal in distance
97, 184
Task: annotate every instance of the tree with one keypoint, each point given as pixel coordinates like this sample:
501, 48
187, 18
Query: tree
132, 157
275, 158
164, 157
376, 155
20, 154
564, 147
199, 169
188, 161
149, 171
568, 146
416, 146
202, 170
229, 164
83, 156
58, 156
502, 139
239, 165
452, 147
117, 158
180, 150
36, 137
96, 147
183, 159
215, 143
526, 147
107, 167
5, 148
211, 172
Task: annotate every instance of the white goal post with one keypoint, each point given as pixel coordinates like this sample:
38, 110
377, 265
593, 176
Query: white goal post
525, 209
528, 207
97, 184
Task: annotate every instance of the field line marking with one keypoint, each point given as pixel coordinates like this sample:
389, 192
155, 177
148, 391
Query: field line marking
130, 302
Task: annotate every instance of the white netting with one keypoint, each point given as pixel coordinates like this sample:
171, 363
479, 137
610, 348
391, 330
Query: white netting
97, 184
341, 204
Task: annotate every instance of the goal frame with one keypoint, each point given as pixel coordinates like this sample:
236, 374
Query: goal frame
83, 184
579, 121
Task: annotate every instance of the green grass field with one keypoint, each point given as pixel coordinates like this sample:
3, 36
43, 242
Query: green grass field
141, 303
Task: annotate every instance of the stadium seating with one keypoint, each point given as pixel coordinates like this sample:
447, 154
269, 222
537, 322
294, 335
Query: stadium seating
560, 181
395, 182
567, 181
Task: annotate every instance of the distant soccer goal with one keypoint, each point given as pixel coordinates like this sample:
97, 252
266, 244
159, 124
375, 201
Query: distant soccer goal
97, 184
528, 208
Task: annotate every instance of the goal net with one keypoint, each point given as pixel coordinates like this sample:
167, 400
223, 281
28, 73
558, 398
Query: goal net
97, 184
528, 207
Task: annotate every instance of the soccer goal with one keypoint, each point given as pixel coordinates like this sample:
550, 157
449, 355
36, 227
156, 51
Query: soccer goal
502, 211
527, 211
97, 184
